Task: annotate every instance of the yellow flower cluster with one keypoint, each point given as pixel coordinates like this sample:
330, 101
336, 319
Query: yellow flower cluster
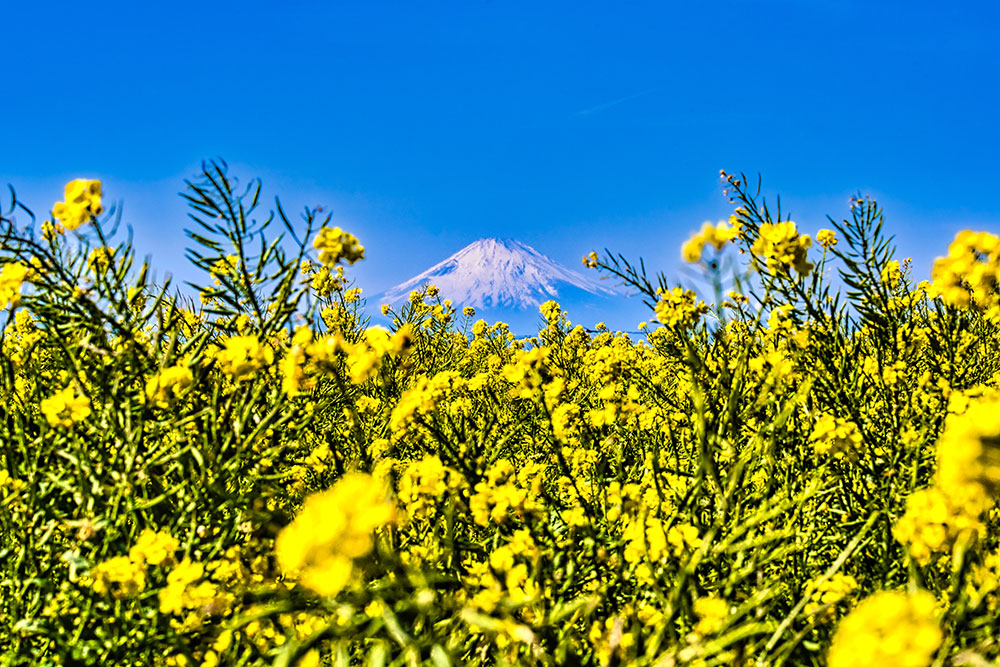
968, 476
363, 359
226, 267
188, 589
121, 576
125, 576
9, 484
712, 612
20, 337
566, 421
834, 436
829, 592
334, 529
65, 408
889, 628
528, 373
293, 367
100, 259
335, 245
892, 273
12, 277
611, 642
930, 525
323, 280
679, 308
168, 385
970, 274
240, 357
83, 200
969, 454
648, 540
422, 399
154, 548
782, 248
984, 581
423, 484
826, 238
717, 235
505, 492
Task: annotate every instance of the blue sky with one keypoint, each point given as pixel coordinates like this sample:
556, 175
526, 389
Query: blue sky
568, 125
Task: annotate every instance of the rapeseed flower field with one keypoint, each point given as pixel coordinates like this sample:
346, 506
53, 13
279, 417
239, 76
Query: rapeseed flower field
797, 464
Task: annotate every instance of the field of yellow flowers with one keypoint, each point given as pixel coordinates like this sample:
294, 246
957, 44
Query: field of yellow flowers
796, 464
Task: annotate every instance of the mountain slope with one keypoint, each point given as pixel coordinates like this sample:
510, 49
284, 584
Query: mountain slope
501, 274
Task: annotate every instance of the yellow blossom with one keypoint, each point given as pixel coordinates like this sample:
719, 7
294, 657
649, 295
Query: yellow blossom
100, 259
50, 230
711, 611
154, 548
829, 591
969, 455
424, 483
83, 200
336, 245
334, 528
242, 356
168, 385
65, 408
186, 589
782, 248
717, 235
679, 308
835, 436
889, 628
970, 274
120, 576
929, 525
12, 277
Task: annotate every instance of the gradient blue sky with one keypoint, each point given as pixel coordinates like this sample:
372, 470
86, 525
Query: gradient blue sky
568, 125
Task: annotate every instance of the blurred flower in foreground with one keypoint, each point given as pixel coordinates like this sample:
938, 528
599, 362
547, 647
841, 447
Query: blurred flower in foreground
336, 245
12, 277
717, 235
334, 528
970, 274
83, 200
889, 628
65, 408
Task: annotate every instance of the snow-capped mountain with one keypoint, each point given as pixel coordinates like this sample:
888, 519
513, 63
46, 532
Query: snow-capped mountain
501, 274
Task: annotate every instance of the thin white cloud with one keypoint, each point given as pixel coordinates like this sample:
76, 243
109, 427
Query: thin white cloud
590, 111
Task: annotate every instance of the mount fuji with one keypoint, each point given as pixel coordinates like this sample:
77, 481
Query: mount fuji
507, 280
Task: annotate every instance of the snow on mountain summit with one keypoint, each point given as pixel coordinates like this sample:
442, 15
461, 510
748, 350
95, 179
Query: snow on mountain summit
499, 273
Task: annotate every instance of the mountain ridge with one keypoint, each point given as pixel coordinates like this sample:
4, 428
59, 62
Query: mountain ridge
500, 273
